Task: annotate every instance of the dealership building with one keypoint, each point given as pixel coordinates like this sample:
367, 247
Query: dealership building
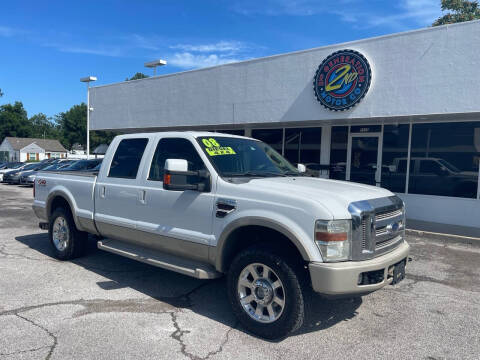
400, 111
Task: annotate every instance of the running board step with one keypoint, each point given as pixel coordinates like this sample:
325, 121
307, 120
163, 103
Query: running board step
162, 260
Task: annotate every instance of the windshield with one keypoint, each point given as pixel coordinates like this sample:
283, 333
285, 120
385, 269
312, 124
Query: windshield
30, 166
448, 165
233, 157
82, 165
15, 166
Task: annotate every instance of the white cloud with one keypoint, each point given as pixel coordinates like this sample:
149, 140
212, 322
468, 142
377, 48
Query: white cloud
221, 46
187, 60
362, 14
424, 12
6, 31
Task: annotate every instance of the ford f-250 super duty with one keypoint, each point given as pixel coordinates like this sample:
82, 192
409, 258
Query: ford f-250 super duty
207, 204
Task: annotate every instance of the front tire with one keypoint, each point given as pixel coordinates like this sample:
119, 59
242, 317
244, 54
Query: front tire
265, 293
67, 241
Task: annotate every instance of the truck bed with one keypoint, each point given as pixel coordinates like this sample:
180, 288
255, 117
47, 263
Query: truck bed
79, 185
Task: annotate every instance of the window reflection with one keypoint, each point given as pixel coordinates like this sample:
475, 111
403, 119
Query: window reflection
302, 145
394, 157
444, 159
338, 152
240, 132
272, 137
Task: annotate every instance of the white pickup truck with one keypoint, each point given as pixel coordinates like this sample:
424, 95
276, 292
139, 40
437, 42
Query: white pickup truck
206, 204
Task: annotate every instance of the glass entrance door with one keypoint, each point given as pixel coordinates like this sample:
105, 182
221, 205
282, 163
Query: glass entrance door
364, 159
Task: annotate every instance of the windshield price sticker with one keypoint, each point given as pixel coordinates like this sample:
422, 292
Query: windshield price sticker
212, 147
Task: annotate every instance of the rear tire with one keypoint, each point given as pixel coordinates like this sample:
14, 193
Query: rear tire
67, 241
265, 293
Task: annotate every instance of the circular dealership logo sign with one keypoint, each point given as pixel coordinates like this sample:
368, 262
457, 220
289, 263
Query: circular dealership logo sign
342, 80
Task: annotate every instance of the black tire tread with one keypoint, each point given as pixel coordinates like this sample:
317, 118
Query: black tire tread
78, 241
292, 319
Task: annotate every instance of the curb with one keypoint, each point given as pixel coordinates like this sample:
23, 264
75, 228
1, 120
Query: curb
446, 238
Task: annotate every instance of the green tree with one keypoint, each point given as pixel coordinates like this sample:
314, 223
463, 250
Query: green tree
14, 121
137, 76
460, 11
42, 126
73, 126
101, 137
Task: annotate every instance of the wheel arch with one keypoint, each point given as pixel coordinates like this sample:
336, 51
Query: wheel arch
57, 199
232, 239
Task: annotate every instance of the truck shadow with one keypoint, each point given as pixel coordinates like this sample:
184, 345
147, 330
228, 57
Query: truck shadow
207, 298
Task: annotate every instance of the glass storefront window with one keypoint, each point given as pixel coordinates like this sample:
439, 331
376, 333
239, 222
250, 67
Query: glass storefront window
272, 137
338, 152
444, 159
394, 157
302, 145
240, 132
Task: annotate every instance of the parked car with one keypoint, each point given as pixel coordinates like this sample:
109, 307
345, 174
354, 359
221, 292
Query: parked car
28, 177
207, 204
13, 177
59, 165
82, 165
9, 167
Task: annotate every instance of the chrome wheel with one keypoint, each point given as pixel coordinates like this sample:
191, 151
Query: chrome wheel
261, 293
60, 233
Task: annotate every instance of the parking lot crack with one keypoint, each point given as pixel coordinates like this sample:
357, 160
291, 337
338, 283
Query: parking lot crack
178, 336
54, 338
24, 351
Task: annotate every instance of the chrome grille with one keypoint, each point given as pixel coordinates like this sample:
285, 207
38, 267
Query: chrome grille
383, 244
364, 234
377, 226
388, 214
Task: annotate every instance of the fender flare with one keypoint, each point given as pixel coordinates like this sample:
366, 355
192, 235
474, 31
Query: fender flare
59, 193
257, 221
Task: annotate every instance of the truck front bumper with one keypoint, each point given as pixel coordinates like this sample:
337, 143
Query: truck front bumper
343, 278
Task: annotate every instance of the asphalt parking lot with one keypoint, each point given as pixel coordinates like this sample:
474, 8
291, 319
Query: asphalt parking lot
103, 306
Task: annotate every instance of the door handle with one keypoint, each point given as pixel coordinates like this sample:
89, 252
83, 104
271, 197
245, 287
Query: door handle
143, 196
102, 192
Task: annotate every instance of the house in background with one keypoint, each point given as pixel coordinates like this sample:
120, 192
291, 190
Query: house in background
31, 149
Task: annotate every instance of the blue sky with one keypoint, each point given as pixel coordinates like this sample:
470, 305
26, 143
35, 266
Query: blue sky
46, 46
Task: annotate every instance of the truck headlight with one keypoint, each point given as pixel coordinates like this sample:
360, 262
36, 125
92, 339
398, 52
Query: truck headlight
334, 238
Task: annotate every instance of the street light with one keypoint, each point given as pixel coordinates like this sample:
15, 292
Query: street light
87, 80
153, 64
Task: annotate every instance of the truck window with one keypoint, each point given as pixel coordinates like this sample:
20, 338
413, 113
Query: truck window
174, 148
127, 158
429, 167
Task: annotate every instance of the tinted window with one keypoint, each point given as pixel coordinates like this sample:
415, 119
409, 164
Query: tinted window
338, 152
428, 166
239, 132
395, 147
174, 148
127, 158
272, 137
302, 145
448, 156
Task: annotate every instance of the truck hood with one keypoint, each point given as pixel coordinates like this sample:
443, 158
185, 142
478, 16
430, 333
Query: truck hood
333, 195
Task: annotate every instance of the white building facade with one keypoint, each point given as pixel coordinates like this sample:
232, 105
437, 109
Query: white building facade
409, 116
30, 149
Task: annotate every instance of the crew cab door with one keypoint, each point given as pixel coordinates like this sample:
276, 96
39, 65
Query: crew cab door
117, 191
177, 222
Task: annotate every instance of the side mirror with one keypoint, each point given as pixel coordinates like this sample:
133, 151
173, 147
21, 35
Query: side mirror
177, 177
301, 168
